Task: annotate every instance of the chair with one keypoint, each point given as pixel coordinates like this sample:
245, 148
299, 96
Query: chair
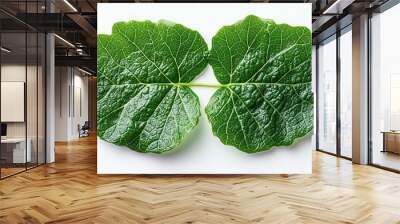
84, 130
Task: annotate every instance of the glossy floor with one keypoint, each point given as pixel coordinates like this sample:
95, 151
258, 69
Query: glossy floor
5, 172
70, 191
8, 171
387, 159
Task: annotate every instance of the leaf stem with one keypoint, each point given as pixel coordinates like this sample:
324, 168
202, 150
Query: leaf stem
201, 84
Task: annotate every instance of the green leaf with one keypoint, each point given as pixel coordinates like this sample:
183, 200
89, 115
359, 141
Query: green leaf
142, 100
266, 99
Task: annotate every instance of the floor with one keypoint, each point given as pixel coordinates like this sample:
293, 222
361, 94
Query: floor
70, 191
10, 171
387, 159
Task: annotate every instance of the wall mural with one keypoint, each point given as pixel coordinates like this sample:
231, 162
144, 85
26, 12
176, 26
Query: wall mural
264, 97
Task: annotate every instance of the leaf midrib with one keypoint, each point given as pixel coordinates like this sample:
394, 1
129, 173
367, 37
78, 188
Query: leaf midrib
208, 85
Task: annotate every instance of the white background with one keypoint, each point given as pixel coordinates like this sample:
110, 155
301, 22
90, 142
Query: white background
201, 152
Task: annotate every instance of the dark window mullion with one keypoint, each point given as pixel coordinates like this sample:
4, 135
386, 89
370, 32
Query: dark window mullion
26, 87
338, 73
369, 89
316, 97
37, 90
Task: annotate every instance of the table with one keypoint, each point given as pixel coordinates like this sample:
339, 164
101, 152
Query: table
17, 150
391, 141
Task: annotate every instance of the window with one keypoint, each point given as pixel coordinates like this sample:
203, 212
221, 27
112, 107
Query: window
346, 92
22, 77
385, 89
327, 95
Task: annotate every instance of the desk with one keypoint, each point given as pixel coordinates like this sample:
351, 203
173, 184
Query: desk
16, 147
391, 141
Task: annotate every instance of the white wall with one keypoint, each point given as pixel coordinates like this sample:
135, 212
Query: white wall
14, 72
70, 83
17, 73
33, 126
61, 103
79, 103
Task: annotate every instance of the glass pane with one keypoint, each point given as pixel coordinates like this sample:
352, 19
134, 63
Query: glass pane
32, 88
314, 76
31, 98
327, 96
13, 88
385, 86
41, 99
346, 94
